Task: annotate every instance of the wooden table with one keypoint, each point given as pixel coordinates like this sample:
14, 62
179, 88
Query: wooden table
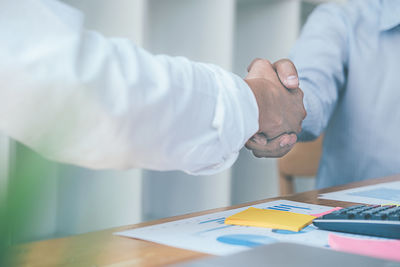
102, 248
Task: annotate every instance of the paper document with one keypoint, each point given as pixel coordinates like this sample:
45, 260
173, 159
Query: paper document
209, 234
276, 219
379, 194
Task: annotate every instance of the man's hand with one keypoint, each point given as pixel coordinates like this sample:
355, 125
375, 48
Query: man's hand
280, 104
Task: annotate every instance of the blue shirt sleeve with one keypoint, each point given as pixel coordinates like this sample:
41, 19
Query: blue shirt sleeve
320, 56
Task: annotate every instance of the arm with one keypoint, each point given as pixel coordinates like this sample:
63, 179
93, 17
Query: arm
320, 56
80, 98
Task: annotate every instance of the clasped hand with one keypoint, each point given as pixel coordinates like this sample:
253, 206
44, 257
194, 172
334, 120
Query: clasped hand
280, 104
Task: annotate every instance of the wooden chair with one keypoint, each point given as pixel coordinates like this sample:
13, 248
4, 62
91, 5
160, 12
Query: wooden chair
302, 160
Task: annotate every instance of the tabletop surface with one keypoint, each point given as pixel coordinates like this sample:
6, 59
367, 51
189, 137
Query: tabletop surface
102, 248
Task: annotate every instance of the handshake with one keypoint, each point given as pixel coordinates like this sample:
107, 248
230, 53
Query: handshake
280, 104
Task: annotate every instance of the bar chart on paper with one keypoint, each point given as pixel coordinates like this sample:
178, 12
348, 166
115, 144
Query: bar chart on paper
291, 208
386, 193
209, 234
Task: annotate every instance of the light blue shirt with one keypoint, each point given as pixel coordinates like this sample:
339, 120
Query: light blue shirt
348, 59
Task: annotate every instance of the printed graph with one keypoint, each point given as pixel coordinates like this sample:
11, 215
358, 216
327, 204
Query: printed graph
217, 220
246, 240
291, 208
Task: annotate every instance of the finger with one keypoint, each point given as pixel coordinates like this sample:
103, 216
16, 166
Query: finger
259, 138
287, 73
285, 138
251, 64
272, 150
262, 68
272, 145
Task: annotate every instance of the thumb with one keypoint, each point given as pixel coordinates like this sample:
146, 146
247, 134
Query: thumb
287, 73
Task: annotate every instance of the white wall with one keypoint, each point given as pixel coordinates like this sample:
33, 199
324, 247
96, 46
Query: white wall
201, 31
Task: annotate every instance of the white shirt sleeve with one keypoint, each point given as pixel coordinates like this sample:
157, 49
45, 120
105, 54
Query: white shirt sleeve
78, 97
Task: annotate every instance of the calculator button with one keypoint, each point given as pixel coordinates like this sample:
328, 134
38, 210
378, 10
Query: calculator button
352, 208
335, 215
376, 216
394, 217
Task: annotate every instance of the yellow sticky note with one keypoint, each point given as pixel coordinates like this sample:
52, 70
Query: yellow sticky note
275, 219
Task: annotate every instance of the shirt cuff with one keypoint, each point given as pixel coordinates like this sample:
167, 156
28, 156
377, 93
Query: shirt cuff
236, 118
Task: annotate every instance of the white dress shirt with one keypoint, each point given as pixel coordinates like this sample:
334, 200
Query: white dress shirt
78, 97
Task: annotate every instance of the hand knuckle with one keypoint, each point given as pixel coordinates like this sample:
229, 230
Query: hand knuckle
304, 113
256, 61
266, 62
285, 61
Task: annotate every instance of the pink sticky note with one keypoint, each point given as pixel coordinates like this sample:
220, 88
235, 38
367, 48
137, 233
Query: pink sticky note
379, 248
326, 212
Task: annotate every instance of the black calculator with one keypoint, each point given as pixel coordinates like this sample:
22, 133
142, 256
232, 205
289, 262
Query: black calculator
374, 220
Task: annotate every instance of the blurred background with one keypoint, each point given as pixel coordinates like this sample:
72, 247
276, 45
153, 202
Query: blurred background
229, 33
